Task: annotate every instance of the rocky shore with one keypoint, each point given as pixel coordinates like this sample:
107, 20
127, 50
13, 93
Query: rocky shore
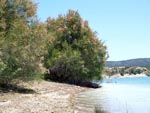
127, 75
49, 97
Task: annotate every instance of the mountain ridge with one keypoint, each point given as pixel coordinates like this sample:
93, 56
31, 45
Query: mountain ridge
141, 62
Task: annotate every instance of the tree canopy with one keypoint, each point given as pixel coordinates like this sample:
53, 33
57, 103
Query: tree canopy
75, 53
69, 48
21, 39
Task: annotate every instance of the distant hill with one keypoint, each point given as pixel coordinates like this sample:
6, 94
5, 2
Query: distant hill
142, 62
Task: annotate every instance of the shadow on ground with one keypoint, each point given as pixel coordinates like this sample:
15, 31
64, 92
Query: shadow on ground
5, 88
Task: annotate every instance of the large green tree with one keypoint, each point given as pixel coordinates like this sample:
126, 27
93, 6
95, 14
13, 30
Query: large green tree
75, 54
20, 39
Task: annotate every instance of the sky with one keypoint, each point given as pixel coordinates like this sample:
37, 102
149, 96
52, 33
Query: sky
123, 25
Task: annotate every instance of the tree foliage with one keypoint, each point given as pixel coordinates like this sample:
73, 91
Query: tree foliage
20, 35
70, 49
74, 52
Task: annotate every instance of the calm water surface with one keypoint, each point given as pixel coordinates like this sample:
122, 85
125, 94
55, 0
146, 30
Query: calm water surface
120, 95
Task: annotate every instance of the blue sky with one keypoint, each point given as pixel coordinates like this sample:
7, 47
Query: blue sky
124, 25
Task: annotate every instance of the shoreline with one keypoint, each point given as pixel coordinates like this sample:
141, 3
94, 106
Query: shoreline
126, 76
50, 97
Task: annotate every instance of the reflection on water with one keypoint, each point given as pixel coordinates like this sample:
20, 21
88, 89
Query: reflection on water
119, 98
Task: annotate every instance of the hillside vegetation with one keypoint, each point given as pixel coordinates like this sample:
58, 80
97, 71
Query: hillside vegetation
141, 62
131, 67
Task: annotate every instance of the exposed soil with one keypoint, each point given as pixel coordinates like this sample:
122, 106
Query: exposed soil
47, 97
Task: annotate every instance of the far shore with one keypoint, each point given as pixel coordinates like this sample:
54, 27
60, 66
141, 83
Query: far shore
126, 76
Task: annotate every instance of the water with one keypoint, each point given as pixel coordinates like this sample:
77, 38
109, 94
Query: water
120, 95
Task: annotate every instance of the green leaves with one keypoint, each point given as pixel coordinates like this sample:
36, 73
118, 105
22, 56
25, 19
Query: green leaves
69, 48
75, 48
22, 43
